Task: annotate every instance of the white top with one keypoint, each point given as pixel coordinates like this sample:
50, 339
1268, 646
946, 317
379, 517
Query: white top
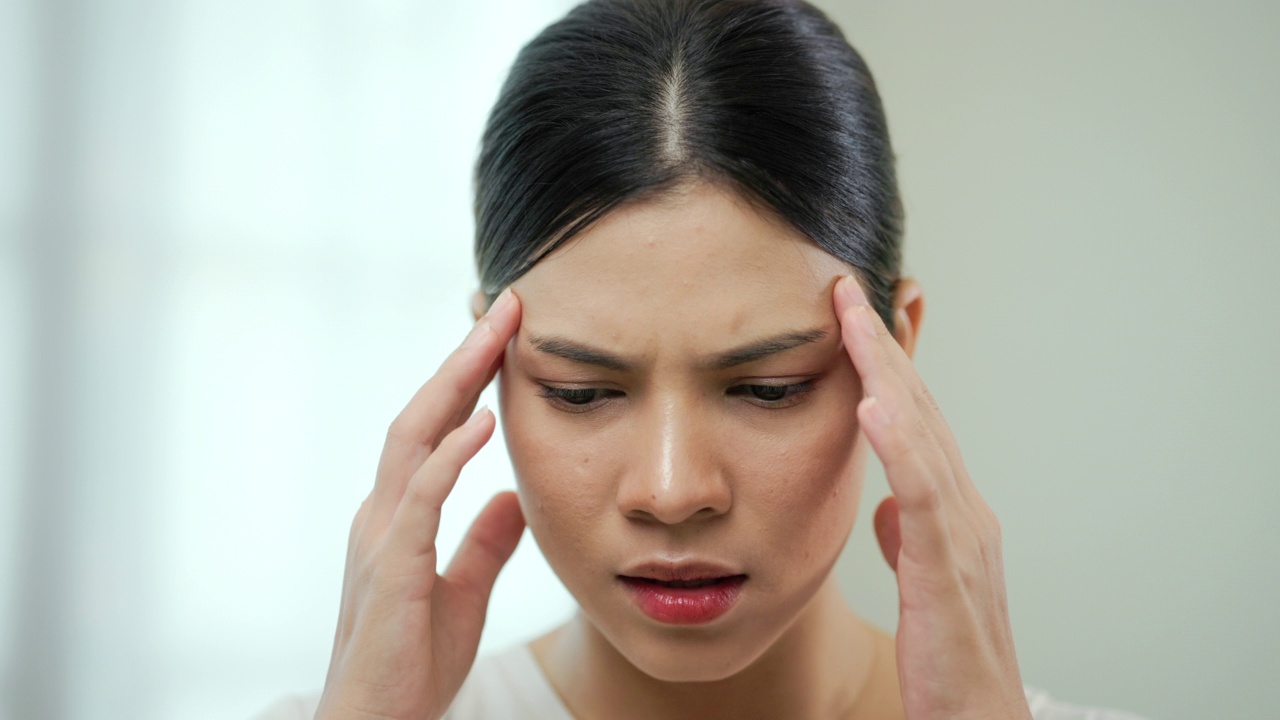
511, 684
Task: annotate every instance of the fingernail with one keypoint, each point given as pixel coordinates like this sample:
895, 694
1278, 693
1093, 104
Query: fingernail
475, 417
865, 319
482, 326
852, 290
501, 303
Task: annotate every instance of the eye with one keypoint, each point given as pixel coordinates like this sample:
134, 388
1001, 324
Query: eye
774, 396
575, 399
767, 396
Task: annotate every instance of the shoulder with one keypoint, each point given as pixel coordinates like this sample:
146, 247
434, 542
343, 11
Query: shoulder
291, 707
507, 684
1045, 707
510, 684
500, 686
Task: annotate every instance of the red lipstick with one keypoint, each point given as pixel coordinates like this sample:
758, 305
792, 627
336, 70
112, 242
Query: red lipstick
683, 594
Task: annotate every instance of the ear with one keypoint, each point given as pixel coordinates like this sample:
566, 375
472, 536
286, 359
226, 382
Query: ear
908, 314
479, 304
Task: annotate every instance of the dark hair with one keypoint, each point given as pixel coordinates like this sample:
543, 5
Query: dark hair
628, 99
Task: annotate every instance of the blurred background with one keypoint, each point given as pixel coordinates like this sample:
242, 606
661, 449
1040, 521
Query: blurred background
236, 236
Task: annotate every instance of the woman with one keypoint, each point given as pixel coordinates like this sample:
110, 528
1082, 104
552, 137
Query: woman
690, 212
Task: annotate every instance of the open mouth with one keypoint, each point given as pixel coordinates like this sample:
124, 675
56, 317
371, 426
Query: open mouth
683, 584
684, 601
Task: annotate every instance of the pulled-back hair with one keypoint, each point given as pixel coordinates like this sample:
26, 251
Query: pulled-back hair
626, 100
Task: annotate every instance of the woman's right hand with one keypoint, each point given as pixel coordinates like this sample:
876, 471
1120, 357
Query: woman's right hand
407, 635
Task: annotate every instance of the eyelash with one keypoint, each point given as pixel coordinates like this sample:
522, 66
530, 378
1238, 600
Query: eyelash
563, 397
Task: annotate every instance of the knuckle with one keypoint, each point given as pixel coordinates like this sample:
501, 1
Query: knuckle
399, 428
995, 534
357, 523
898, 453
366, 568
988, 538
460, 382
921, 426
380, 572
377, 583
925, 398
417, 491
358, 536
972, 577
924, 496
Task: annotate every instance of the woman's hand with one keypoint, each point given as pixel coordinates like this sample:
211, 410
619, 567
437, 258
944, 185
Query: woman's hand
955, 646
406, 635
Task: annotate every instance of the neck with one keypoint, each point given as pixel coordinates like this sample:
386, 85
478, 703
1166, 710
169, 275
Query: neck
816, 669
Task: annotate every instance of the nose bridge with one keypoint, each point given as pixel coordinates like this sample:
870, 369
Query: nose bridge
675, 475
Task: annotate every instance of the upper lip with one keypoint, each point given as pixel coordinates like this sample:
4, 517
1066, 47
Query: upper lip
682, 570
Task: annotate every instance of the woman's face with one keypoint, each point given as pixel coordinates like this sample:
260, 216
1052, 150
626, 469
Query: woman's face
679, 409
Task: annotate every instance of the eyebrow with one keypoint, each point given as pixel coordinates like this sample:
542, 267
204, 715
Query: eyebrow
588, 355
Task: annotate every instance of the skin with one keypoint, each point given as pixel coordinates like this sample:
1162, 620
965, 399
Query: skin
679, 459
675, 460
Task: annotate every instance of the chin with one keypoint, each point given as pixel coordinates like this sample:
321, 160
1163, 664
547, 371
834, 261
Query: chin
721, 649
685, 660
697, 653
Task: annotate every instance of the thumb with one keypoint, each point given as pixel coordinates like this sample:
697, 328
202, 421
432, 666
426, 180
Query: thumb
487, 547
887, 530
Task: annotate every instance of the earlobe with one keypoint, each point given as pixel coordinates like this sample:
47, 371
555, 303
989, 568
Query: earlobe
908, 314
479, 304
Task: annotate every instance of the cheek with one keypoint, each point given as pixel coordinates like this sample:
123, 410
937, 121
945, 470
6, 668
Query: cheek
811, 467
806, 478
558, 481
796, 482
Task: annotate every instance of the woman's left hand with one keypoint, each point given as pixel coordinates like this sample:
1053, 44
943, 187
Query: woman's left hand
954, 642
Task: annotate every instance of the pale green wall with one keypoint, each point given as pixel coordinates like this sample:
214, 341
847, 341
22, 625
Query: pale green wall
1093, 196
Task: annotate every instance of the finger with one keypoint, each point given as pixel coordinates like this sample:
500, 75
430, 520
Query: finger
888, 532
883, 360
470, 406
917, 469
458, 382
888, 372
418, 428
348, 576
923, 524
412, 533
850, 295
487, 547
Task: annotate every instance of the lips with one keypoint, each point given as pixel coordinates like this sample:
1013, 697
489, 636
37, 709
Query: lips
689, 593
684, 584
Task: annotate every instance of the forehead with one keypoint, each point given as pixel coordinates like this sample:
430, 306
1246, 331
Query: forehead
702, 268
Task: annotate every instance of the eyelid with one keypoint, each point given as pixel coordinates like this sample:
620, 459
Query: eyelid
554, 395
796, 393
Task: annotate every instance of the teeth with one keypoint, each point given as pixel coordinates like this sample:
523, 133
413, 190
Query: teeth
689, 583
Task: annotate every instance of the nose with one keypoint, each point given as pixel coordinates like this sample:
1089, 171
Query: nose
675, 475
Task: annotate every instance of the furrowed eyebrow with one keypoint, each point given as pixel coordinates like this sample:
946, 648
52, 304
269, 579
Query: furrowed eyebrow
756, 350
764, 348
579, 353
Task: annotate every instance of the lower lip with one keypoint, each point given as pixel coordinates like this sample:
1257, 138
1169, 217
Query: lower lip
684, 606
